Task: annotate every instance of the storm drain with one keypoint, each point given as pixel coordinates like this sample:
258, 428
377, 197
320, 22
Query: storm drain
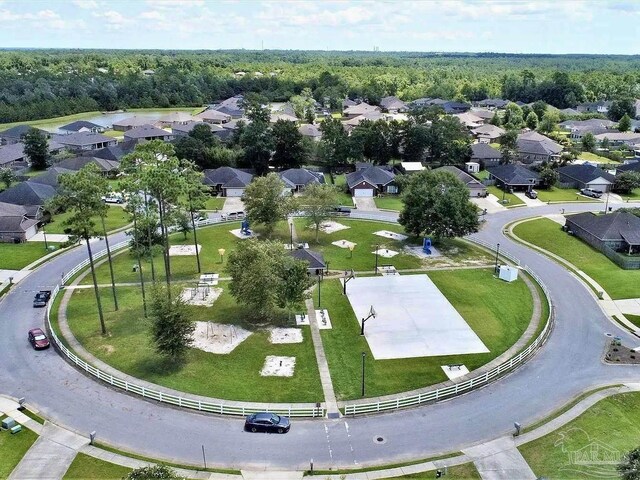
379, 439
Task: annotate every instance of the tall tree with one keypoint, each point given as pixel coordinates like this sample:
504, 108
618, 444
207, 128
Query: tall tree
290, 151
318, 202
7, 176
448, 142
196, 197
264, 201
509, 146
513, 116
621, 107
549, 177
624, 125
416, 142
532, 120
334, 145
80, 194
437, 203
540, 107
588, 142
304, 105
36, 148
549, 121
171, 327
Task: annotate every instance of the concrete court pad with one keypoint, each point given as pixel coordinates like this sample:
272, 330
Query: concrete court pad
414, 319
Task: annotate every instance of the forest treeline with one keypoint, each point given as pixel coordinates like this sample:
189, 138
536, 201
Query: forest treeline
48, 83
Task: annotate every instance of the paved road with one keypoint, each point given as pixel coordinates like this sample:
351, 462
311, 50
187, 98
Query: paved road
569, 364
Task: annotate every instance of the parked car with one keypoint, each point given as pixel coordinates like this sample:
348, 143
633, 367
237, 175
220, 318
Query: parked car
41, 298
588, 192
113, 198
342, 209
267, 422
38, 339
531, 194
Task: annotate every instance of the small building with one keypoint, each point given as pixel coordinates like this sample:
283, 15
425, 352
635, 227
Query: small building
586, 176
148, 132
228, 181
393, 105
370, 181
472, 167
129, 123
297, 179
315, 260
311, 131
86, 141
514, 177
536, 148
476, 188
15, 224
485, 155
81, 126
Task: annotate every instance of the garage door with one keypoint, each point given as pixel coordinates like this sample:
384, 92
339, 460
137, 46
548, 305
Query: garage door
363, 192
235, 192
603, 187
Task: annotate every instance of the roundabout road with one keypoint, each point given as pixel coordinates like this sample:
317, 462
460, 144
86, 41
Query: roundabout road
567, 365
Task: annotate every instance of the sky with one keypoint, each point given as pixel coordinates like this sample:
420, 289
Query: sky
559, 26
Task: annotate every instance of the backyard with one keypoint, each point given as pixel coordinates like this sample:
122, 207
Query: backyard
391, 202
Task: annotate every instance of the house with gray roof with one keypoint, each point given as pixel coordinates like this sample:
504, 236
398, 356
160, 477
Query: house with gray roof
148, 132
488, 133
579, 128
13, 156
370, 181
28, 194
15, 134
50, 177
314, 259
485, 155
228, 181
586, 176
82, 126
183, 129
296, 179
129, 123
492, 103
311, 131
15, 225
613, 232
619, 138
476, 188
536, 148
359, 109
602, 106
231, 106
393, 104
513, 177
114, 152
108, 168
85, 141
569, 112
214, 116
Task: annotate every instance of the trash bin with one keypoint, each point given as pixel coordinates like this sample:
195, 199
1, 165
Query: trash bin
134, 268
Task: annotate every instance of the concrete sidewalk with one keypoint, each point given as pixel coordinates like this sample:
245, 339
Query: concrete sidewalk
500, 460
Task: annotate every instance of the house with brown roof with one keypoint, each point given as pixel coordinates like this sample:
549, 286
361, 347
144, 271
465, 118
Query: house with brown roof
15, 225
148, 132
359, 109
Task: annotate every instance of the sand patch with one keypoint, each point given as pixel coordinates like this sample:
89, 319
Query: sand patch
285, 335
238, 233
385, 252
275, 366
180, 250
344, 244
218, 338
391, 235
331, 227
454, 371
202, 296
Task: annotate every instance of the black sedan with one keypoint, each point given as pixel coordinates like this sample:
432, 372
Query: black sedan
267, 422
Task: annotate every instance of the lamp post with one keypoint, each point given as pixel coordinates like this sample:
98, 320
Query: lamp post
606, 205
364, 356
376, 269
497, 254
44, 232
221, 252
291, 231
319, 287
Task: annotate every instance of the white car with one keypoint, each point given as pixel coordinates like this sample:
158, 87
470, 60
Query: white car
113, 198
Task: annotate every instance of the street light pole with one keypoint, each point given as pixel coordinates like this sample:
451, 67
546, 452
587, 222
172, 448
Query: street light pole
606, 205
319, 287
44, 232
376, 269
497, 254
291, 231
364, 356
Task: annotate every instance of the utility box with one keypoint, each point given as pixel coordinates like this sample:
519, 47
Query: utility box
8, 423
508, 274
16, 429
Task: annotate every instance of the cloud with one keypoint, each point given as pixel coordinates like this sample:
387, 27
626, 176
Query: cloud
86, 4
113, 20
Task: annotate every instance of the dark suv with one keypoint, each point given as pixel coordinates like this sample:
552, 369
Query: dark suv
531, 194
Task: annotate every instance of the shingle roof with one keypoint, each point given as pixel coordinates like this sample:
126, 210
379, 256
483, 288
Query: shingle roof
315, 259
493, 102
619, 136
131, 122
180, 117
79, 124
301, 176
50, 177
11, 210
11, 153
513, 174
145, 131
361, 109
211, 114
309, 130
372, 115
613, 226
28, 193
15, 224
392, 103
187, 127
592, 122
19, 130
585, 173
484, 151
373, 175
80, 139
628, 167
115, 152
488, 130
76, 163
536, 144
463, 176
228, 177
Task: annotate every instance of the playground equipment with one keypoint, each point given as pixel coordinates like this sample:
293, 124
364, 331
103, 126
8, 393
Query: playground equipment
426, 246
244, 229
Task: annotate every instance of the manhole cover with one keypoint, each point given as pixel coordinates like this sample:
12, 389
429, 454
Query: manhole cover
609, 334
379, 439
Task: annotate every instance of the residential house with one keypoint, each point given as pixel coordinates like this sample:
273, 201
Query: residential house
314, 259
311, 131
485, 155
28, 194
85, 141
536, 148
183, 129
51, 177
633, 166
449, 106
469, 120
476, 188
148, 133
569, 112
486, 115
393, 105
617, 139
129, 123
579, 128
297, 179
616, 231
82, 126
114, 152
411, 167
371, 180
347, 102
359, 109
287, 117
372, 116
15, 134
594, 107
231, 106
228, 181
15, 225
213, 116
108, 168
488, 133
13, 156
176, 118
513, 177
586, 176
492, 103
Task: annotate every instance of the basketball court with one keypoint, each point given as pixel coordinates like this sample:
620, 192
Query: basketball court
413, 318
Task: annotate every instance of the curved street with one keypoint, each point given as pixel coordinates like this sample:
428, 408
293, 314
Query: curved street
567, 365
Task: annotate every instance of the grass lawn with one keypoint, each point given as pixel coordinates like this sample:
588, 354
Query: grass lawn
116, 218
592, 157
113, 134
84, 466
214, 203
547, 234
635, 319
482, 175
17, 256
633, 195
511, 199
128, 348
389, 203
562, 195
610, 422
466, 471
13, 448
497, 311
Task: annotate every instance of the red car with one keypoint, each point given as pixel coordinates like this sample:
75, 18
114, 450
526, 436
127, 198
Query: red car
38, 339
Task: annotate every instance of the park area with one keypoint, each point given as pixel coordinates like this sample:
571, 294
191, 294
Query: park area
547, 234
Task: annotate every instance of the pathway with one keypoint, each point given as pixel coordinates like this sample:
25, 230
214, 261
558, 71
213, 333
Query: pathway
500, 459
529, 202
365, 204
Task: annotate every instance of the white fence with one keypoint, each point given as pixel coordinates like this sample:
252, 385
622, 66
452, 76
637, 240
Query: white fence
213, 406
478, 381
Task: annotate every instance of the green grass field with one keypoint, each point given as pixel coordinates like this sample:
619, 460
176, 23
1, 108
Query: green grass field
84, 466
129, 348
116, 218
466, 471
214, 203
17, 256
547, 234
389, 203
497, 311
482, 175
592, 157
511, 199
562, 195
13, 448
609, 425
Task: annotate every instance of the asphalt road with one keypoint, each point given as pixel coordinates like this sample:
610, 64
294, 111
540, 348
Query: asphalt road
568, 364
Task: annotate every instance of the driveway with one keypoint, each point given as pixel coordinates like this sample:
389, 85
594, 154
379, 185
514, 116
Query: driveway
491, 204
365, 204
233, 204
